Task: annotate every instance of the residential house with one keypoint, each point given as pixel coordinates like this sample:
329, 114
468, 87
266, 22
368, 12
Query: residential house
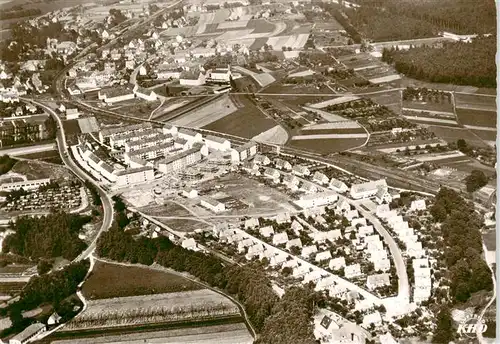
337, 263
352, 271
282, 218
383, 195
251, 222
418, 205
220, 74
291, 181
322, 256
373, 318
368, 189
376, 281
282, 164
320, 178
309, 187
301, 171
272, 173
260, 159
280, 238
294, 243
296, 227
337, 185
308, 250
267, 231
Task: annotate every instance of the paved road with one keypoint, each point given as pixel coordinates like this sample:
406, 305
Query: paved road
68, 161
403, 283
28, 149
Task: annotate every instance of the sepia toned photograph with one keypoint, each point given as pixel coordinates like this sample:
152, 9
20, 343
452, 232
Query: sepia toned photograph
248, 172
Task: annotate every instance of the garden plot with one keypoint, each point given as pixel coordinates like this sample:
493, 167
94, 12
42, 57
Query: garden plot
335, 101
207, 114
153, 309
276, 135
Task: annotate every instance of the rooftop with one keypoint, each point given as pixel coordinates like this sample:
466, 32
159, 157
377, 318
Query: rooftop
179, 156
117, 130
133, 170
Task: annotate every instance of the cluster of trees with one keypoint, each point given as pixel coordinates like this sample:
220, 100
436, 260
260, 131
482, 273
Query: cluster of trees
460, 227
53, 235
381, 25
475, 180
417, 17
117, 16
267, 313
343, 20
457, 63
424, 94
458, 16
96, 198
51, 289
6, 164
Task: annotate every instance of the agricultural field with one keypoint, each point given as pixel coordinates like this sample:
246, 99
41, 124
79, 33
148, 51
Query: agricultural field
443, 106
223, 334
478, 118
256, 195
169, 105
450, 134
327, 146
153, 309
207, 114
279, 88
475, 102
247, 121
184, 225
489, 136
109, 280
276, 135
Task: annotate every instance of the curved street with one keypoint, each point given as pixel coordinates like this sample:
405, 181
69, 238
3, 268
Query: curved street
107, 204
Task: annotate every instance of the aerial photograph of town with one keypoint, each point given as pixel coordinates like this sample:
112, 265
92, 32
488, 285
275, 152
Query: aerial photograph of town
248, 171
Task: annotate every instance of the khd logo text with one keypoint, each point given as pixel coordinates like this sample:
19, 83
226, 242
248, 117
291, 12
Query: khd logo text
470, 327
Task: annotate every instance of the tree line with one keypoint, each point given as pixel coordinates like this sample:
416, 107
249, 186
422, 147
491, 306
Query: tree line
456, 63
460, 227
53, 235
268, 314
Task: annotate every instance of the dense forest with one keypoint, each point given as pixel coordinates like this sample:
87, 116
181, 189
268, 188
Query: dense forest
267, 313
53, 235
460, 227
383, 20
457, 63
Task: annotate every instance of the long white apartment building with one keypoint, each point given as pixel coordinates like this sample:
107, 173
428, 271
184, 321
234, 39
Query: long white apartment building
180, 161
150, 153
25, 184
119, 140
106, 134
158, 139
317, 199
104, 172
244, 152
